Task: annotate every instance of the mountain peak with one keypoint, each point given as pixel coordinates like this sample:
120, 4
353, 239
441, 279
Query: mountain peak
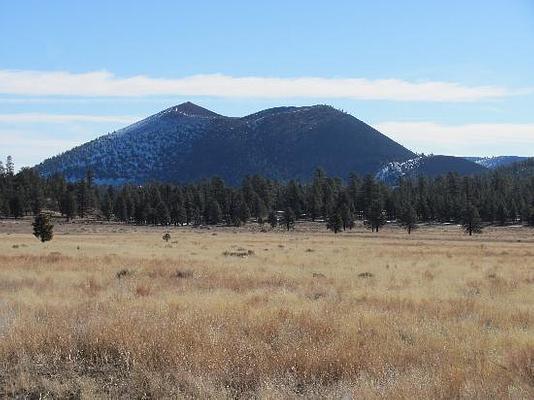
191, 109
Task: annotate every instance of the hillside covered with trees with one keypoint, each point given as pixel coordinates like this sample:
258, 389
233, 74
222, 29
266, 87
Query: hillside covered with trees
500, 197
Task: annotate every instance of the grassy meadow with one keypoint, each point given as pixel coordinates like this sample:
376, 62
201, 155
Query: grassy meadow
116, 312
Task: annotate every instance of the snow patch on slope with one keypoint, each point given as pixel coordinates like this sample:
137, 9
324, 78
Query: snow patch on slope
392, 171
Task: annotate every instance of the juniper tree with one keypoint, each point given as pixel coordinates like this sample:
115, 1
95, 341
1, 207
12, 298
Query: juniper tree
42, 227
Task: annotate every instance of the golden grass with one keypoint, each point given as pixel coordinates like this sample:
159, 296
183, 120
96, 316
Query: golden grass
224, 314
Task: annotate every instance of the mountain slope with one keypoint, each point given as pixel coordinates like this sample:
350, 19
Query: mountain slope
188, 142
524, 168
430, 166
495, 162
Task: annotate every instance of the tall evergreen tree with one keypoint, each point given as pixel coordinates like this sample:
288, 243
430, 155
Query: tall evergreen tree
68, 205
215, 213
408, 218
375, 216
272, 219
471, 219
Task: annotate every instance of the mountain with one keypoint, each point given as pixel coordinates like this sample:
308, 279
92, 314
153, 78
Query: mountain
495, 162
187, 143
428, 166
523, 168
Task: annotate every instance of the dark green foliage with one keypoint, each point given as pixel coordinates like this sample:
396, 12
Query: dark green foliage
500, 197
408, 218
214, 213
471, 221
530, 218
375, 217
335, 222
106, 205
162, 216
272, 219
288, 218
67, 205
502, 214
42, 227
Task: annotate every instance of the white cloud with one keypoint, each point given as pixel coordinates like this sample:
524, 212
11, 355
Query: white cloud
482, 139
64, 118
106, 84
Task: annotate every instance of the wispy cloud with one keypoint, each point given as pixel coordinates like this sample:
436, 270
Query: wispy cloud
469, 139
64, 118
106, 84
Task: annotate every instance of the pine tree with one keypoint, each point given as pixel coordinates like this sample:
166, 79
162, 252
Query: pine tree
375, 216
43, 228
346, 215
68, 205
288, 218
162, 216
215, 213
16, 206
272, 219
10, 166
408, 218
502, 214
530, 219
471, 220
106, 206
260, 210
335, 222
244, 213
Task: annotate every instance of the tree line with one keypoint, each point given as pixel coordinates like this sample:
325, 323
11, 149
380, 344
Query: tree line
498, 197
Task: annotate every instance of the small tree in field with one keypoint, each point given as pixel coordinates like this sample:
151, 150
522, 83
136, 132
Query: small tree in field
408, 218
272, 219
166, 237
43, 228
335, 222
288, 219
471, 221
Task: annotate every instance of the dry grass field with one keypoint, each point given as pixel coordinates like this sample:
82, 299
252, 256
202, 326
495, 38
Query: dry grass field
115, 312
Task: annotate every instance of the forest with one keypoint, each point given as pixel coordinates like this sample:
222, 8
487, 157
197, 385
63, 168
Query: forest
499, 197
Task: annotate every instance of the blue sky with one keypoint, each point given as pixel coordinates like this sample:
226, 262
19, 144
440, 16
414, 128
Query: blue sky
451, 77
